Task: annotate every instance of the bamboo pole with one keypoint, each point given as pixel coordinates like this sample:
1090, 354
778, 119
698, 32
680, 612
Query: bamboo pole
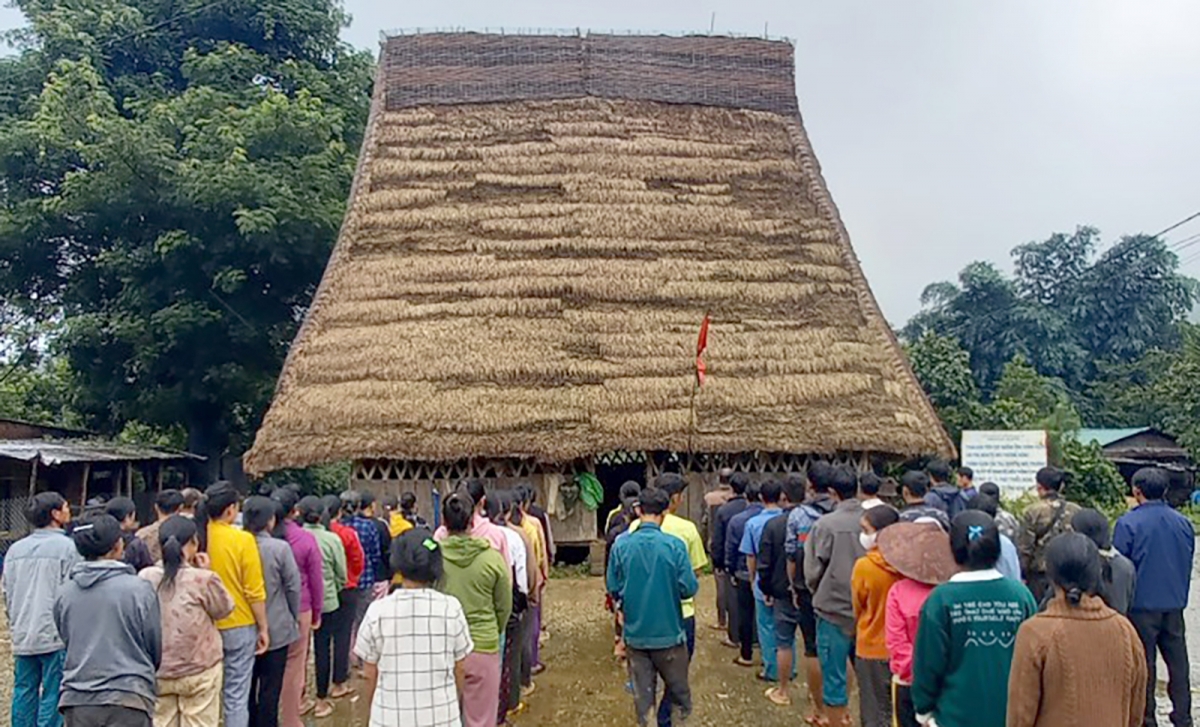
129, 478
33, 473
87, 475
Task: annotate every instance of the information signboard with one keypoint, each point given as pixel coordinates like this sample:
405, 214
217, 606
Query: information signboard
1011, 459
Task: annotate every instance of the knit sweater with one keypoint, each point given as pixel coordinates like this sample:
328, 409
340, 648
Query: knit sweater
869, 585
1077, 666
964, 643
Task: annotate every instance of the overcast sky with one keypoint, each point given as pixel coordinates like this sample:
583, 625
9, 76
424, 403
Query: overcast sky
947, 131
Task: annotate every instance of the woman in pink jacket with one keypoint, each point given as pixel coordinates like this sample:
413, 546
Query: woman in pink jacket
920, 551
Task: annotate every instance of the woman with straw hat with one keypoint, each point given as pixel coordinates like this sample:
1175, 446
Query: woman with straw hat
966, 633
920, 552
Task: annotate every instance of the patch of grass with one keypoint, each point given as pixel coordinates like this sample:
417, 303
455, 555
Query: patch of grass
581, 570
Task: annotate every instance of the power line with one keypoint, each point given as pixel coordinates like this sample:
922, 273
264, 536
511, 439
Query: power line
164, 23
955, 330
1180, 223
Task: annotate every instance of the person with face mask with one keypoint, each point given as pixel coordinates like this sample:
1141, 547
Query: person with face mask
870, 583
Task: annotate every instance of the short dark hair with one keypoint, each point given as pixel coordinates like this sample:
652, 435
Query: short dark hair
939, 470
754, 492
40, 507
975, 540
987, 505
365, 500
1093, 524
475, 489
1073, 564
630, 491
654, 501
881, 516
408, 501
417, 557
844, 482
168, 502
1153, 482
739, 481
257, 513
916, 482
120, 508
218, 498
671, 483
819, 473
390, 502
869, 483
350, 500
967, 472
192, 497
991, 489
311, 509
457, 511
96, 535
287, 499
1051, 478
795, 487
771, 490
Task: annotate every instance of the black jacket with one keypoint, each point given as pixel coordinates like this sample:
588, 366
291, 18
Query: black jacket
772, 558
724, 514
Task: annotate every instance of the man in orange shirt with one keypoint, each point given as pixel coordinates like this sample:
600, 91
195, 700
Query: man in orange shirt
234, 557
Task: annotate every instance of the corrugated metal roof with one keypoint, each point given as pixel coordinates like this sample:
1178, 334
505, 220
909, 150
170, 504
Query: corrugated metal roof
54, 451
1105, 437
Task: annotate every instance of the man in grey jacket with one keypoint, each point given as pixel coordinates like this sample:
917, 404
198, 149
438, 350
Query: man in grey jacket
109, 619
829, 555
35, 569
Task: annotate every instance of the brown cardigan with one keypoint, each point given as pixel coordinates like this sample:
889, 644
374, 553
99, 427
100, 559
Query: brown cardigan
1080, 666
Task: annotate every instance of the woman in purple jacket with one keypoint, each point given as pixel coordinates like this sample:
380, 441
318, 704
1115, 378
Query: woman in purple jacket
312, 595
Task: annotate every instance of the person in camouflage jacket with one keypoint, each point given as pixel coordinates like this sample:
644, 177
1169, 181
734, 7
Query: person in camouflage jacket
1049, 517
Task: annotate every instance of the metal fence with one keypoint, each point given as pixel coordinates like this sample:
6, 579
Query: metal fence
13, 525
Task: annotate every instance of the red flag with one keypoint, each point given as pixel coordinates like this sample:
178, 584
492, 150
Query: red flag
701, 346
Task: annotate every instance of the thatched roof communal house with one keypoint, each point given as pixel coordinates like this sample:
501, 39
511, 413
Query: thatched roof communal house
536, 230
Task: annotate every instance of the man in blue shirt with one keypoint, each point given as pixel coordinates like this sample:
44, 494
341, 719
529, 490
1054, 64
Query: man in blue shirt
764, 612
1161, 543
736, 563
651, 575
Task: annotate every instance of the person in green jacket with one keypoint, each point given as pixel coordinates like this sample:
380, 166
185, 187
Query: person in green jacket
478, 577
966, 633
334, 570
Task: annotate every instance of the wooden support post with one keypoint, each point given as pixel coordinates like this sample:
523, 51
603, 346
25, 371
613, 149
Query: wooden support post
158, 476
33, 473
129, 478
87, 475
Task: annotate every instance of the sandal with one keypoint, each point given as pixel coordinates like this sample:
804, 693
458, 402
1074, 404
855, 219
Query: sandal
743, 662
777, 697
816, 721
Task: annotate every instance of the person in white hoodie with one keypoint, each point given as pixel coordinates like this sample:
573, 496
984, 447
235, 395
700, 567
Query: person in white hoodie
35, 569
109, 620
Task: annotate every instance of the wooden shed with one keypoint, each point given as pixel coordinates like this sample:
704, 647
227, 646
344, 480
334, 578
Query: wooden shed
537, 227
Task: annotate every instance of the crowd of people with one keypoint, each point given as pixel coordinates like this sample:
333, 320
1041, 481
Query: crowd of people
947, 610
210, 614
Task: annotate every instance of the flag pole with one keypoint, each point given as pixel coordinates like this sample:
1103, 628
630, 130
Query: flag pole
697, 382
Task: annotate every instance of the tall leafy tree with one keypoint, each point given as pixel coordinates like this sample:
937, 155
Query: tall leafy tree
1065, 311
172, 178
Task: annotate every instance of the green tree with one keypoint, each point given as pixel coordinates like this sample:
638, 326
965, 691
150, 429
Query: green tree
172, 178
943, 367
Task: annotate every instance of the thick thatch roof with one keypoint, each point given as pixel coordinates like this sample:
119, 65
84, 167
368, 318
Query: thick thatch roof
537, 228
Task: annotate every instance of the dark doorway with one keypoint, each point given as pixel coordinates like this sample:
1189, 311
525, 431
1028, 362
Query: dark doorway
612, 476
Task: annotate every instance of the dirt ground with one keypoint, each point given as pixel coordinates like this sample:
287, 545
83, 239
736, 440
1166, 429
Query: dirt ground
584, 685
